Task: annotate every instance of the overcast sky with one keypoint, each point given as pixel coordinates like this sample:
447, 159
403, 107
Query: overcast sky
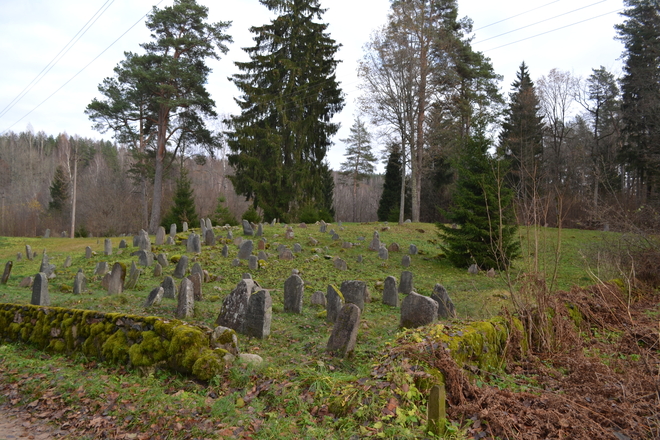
573, 36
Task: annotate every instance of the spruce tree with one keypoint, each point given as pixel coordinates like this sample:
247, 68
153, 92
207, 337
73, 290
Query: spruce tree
183, 209
359, 163
482, 209
391, 195
59, 190
289, 94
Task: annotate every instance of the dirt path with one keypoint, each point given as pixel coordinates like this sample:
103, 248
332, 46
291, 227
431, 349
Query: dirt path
12, 427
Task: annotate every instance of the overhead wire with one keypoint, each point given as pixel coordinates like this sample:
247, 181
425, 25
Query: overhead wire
83, 30
517, 15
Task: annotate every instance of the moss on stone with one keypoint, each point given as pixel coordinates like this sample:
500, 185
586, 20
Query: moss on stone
209, 364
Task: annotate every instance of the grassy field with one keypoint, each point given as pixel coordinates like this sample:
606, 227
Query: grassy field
285, 397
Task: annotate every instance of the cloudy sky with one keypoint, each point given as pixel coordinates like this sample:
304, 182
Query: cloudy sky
55, 80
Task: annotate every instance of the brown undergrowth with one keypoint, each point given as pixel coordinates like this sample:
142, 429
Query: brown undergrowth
599, 378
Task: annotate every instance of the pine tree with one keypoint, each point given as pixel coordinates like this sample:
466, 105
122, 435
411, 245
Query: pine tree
360, 160
183, 209
482, 209
521, 141
222, 215
289, 95
389, 199
640, 87
59, 190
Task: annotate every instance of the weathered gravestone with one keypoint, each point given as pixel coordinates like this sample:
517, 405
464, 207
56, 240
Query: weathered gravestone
26, 282
412, 250
196, 280
286, 255
209, 237
359, 259
294, 287
253, 262
47, 233
67, 261
230, 235
79, 283
101, 268
235, 262
169, 287
46, 267
181, 267
247, 228
155, 297
225, 251
133, 277
40, 296
160, 236
394, 247
323, 227
318, 298
473, 269
145, 258
418, 310
193, 245
405, 261
340, 264
143, 241
375, 242
19, 256
383, 253
88, 252
162, 260
260, 230
406, 282
185, 306
354, 292
197, 268
7, 272
173, 230
234, 306
344, 333
446, 307
259, 315
390, 292
297, 248
262, 256
184, 227
107, 247
334, 303
29, 255
158, 270
170, 241
245, 250
116, 279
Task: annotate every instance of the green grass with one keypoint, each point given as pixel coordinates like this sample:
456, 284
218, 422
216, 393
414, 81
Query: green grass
299, 381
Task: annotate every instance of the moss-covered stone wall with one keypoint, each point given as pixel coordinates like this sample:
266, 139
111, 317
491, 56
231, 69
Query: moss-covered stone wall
139, 341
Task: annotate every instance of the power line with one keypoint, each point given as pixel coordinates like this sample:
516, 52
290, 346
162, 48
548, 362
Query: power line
80, 71
556, 29
514, 16
542, 21
83, 30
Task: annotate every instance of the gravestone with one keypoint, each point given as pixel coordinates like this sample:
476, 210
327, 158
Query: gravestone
162, 260
238, 241
143, 242
107, 247
340, 264
225, 251
184, 227
193, 245
491, 273
406, 283
46, 267
344, 332
88, 252
134, 276
235, 262
253, 262
247, 228
234, 306
209, 225
209, 237
47, 233
169, 288
294, 287
318, 298
230, 235
197, 268
202, 227
394, 247
259, 315
354, 292
281, 248
390, 292
323, 227
272, 223
145, 258
412, 250
312, 241
418, 310
335, 237
79, 283
28, 252
26, 282
196, 280
101, 268
7, 272
185, 306
286, 255
334, 303
297, 248
473, 269
261, 244
245, 250
181, 267
383, 253
359, 259
155, 297
158, 270
19, 256
40, 296
436, 412
405, 261
289, 234
347, 245
262, 256
446, 307
123, 244
170, 241
173, 230
375, 242
260, 230
246, 276
116, 279
160, 236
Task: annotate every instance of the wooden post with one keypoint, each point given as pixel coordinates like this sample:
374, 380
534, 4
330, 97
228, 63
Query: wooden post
437, 415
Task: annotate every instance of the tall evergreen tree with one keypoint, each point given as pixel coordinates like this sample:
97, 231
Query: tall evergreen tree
640, 87
360, 159
59, 190
521, 141
482, 209
389, 199
289, 95
183, 209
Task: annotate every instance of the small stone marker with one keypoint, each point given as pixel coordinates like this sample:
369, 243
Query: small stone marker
184, 227
344, 333
261, 244
193, 245
133, 277
67, 261
47, 233
375, 242
406, 283
230, 235
19, 256
286, 255
79, 283
297, 248
40, 296
340, 264
143, 241
7, 272
26, 282
491, 273
418, 310
346, 245
405, 261
437, 415
181, 267
196, 280
107, 247
354, 292
446, 307
412, 250
155, 297
259, 315
253, 262
145, 258
169, 288
28, 252
225, 251
394, 247
245, 250
160, 236
323, 227
173, 230
185, 307
162, 260
390, 292
101, 268
359, 259
123, 244
318, 298
383, 253
197, 268
235, 262
247, 228
170, 241
209, 237
116, 279
473, 269
294, 288
262, 256
334, 303
88, 252
260, 232
46, 267
158, 270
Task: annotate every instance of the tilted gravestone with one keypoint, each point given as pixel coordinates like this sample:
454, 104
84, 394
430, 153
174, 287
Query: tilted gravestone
40, 296
446, 307
116, 279
234, 306
133, 277
354, 292
344, 333
143, 241
406, 282
7, 272
247, 228
169, 288
185, 306
390, 292
26, 282
259, 315
155, 297
29, 255
160, 236
162, 260
418, 310
246, 250
107, 247
79, 283
334, 303
294, 288
196, 280
181, 267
